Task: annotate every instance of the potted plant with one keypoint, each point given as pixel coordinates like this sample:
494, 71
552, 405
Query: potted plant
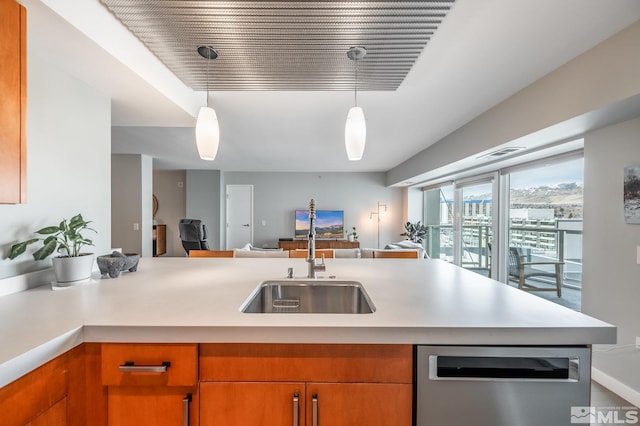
67, 239
415, 232
353, 235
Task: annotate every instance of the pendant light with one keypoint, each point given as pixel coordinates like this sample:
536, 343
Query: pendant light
355, 129
207, 129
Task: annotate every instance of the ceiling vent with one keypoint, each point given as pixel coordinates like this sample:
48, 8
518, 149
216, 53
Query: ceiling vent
500, 153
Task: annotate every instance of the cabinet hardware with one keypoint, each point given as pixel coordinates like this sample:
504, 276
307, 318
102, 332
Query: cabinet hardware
314, 404
185, 409
131, 367
296, 403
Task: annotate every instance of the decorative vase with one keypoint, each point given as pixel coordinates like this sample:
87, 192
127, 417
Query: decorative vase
72, 269
351, 237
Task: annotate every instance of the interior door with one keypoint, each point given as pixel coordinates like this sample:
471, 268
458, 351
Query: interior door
239, 215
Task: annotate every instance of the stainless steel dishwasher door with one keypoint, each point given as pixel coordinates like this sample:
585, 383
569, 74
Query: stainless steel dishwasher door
500, 386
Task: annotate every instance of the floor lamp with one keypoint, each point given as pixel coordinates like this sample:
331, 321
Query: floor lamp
383, 206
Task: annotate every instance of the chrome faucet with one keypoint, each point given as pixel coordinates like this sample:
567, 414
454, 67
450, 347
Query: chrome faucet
311, 247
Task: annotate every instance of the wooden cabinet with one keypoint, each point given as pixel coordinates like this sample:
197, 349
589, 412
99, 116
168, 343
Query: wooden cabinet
153, 384
320, 244
150, 383
257, 384
159, 240
13, 102
54, 394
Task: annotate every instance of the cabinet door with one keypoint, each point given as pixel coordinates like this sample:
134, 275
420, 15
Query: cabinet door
54, 416
251, 403
13, 90
158, 406
348, 404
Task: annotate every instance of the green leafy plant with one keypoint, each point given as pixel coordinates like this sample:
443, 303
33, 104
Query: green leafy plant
65, 238
415, 232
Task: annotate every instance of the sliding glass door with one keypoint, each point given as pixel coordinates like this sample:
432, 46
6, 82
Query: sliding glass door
438, 207
459, 216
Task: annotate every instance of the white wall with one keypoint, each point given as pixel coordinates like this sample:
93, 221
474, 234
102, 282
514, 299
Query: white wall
169, 189
68, 162
278, 195
611, 282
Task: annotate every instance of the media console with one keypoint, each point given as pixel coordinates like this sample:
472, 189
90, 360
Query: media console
320, 244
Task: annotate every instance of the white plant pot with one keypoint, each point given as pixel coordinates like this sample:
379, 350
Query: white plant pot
70, 269
351, 237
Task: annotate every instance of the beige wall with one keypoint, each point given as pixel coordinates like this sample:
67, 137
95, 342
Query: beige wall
169, 187
562, 101
611, 283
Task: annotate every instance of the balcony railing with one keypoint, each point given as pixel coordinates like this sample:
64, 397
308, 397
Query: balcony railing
539, 243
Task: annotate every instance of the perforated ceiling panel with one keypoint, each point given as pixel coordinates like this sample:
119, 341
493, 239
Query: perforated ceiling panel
284, 45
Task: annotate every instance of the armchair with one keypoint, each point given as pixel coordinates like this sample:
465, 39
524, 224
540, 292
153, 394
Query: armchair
519, 271
193, 234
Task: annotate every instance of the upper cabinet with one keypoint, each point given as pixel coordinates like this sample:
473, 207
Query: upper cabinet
13, 102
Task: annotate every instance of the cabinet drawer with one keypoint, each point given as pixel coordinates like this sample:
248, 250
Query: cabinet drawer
306, 362
154, 364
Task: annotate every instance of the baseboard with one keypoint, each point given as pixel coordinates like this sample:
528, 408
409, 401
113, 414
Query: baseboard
616, 386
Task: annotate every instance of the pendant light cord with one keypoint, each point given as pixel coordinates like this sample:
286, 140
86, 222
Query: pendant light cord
355, 83
207, 76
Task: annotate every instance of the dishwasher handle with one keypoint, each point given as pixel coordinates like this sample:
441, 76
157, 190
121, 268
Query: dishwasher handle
503, 368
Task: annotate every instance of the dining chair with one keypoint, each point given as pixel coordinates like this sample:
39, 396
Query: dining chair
328, 254
211, 253
395, 254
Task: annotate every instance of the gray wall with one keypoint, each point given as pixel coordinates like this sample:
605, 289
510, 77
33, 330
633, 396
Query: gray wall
169, 189
611, 283
204, 202
278, 195
132, 203
68, 162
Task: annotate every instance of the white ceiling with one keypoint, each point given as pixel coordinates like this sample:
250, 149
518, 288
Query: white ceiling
483, 52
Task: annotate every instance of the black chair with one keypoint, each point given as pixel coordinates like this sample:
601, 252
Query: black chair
519, 271
193, 234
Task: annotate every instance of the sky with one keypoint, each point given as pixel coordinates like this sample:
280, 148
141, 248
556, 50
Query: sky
566, 172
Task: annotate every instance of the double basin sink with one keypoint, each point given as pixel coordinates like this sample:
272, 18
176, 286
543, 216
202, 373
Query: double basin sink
309, 297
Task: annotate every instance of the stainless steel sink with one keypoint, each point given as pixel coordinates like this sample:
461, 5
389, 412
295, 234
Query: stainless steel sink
309, 297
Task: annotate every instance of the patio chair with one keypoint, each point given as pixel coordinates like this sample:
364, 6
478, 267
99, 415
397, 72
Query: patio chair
519, 271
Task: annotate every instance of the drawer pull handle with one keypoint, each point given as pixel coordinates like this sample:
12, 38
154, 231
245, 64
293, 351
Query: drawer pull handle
296, 402
185, 409
131, 367
314, 404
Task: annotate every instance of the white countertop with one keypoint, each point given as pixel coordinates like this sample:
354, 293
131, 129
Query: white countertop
198, 300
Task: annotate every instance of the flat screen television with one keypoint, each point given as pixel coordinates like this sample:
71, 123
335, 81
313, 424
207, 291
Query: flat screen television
329, 224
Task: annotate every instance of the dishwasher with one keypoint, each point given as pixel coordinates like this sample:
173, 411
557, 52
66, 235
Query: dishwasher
501, 386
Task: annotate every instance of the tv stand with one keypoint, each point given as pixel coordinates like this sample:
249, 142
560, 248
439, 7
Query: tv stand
320, 244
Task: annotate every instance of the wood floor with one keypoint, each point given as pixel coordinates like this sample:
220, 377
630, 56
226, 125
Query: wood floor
603, 398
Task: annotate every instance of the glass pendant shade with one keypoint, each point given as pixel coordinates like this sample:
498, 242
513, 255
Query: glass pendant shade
355, 133
207, 133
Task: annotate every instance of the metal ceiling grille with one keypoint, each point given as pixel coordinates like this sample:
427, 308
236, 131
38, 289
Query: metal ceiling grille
284, 45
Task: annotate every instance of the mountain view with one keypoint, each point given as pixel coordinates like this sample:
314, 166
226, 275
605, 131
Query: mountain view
564, 198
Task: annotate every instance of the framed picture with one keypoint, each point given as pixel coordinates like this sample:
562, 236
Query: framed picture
632, 194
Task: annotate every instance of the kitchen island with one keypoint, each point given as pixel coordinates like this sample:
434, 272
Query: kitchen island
198, 300
181, 318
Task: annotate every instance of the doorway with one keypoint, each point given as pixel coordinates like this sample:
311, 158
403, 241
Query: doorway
239, 215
